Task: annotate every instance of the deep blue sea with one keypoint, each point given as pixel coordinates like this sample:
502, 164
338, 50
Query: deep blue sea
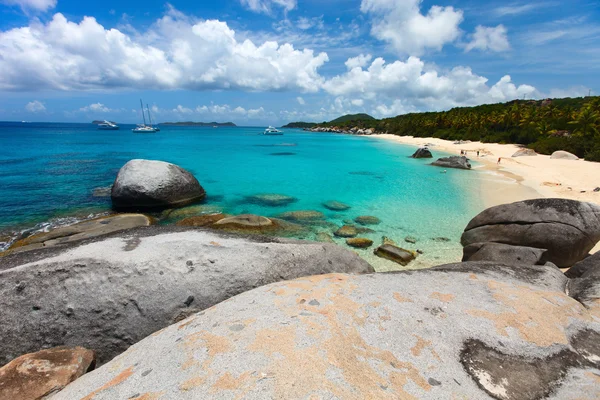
49, 171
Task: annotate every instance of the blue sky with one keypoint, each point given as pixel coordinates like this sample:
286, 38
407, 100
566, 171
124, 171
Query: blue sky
259, 62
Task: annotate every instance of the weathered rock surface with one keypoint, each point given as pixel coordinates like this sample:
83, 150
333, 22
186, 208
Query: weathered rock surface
202, 220
395, 253
563, 155
82, 230
271, 199
346, 231
462, 331
359, 243
302, 215
111, 292
422, 152
38, 375
525, 153
568, 229
504, 253
256, 224
174, 214
367, 220
460, 162
149, 184
588, 263
336, 206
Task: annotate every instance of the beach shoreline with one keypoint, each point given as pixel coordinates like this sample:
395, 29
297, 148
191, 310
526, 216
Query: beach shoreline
517, 178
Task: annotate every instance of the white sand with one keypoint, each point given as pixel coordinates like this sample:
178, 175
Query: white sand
519, 178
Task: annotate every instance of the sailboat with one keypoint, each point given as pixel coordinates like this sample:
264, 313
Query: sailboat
143, 128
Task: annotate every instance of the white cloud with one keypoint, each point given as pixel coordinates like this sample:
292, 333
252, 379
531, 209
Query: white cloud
39, 5
358, 102
182, 110
175, 53
401, 24
359, 61
266, 6
96, 107
516, 9
300, 100
422, 87
305, 23
489, 38
35, 106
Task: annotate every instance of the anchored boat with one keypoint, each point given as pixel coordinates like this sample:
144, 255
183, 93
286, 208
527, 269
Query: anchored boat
143, 128
272, 131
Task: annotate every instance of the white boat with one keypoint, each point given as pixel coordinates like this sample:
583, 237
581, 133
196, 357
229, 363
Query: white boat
108, 126
143, 128
272, 131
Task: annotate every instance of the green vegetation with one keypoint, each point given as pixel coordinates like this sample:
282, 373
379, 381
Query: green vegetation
189, 123
351, 118
545, 125
300, 125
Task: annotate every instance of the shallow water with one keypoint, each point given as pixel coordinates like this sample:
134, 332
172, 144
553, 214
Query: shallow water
48, 171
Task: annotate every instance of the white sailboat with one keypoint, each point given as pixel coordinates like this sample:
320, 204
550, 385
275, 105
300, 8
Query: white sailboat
143, 128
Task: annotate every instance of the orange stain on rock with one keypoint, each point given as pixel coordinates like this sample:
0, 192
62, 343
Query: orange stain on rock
445, 297
120, 378
192, 383
398, 297
419, 346
148, 396
229, 382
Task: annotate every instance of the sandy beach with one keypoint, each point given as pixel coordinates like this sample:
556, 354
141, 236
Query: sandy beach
518, 178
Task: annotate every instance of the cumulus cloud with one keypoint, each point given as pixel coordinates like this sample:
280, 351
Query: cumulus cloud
266, 6
216, 110
35, 106
39, 5
422, 87
489, 39
359, 61
401, 24
96, 107
175, 53
300, 100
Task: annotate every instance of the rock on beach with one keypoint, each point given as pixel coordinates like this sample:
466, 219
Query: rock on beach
459, 162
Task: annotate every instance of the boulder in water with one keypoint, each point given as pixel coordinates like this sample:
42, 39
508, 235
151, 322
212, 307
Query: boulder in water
395, 253
336, 206
459, 162
202, 220
568, 229
40, 375
108, 293
271, 199
422, 152
149, 184
359, 243
302, 215
563, 155
346, 231
367, 220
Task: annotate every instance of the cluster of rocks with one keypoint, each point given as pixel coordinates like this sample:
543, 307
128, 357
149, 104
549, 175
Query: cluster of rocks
351, 131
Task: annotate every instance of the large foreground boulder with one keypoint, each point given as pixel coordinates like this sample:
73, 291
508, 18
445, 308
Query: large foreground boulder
108, 293
504, 253
568, 229
39, 375
463, 331
149, 184
459, 162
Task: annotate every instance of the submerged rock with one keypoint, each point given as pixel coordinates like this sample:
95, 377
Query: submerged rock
410, 239
271, 199
367, 220
102, 191
525, 153
346, 231
422, 152
563, 155
190, 211
202, 220
568, 229
471, 330
302, 215
395, 253
336, 206
149, 184
359, 243
38, 375
109, 293
324, 237
82, 230
460, 162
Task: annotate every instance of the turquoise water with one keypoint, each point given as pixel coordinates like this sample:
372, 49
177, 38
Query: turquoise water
50, 171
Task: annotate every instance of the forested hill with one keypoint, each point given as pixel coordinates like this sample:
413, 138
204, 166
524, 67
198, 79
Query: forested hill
571, 124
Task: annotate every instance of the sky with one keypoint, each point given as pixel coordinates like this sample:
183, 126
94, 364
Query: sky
269, 62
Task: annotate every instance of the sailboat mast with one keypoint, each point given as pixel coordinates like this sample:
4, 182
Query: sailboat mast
149, 117
143, 114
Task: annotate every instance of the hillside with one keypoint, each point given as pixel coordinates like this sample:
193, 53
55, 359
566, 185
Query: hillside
189, 123
300, 125
571, 124
350, 118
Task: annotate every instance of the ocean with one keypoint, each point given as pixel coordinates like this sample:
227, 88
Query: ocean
52, 174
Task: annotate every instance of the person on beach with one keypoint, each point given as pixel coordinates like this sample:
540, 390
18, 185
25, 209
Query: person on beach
477, 153
499, 158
